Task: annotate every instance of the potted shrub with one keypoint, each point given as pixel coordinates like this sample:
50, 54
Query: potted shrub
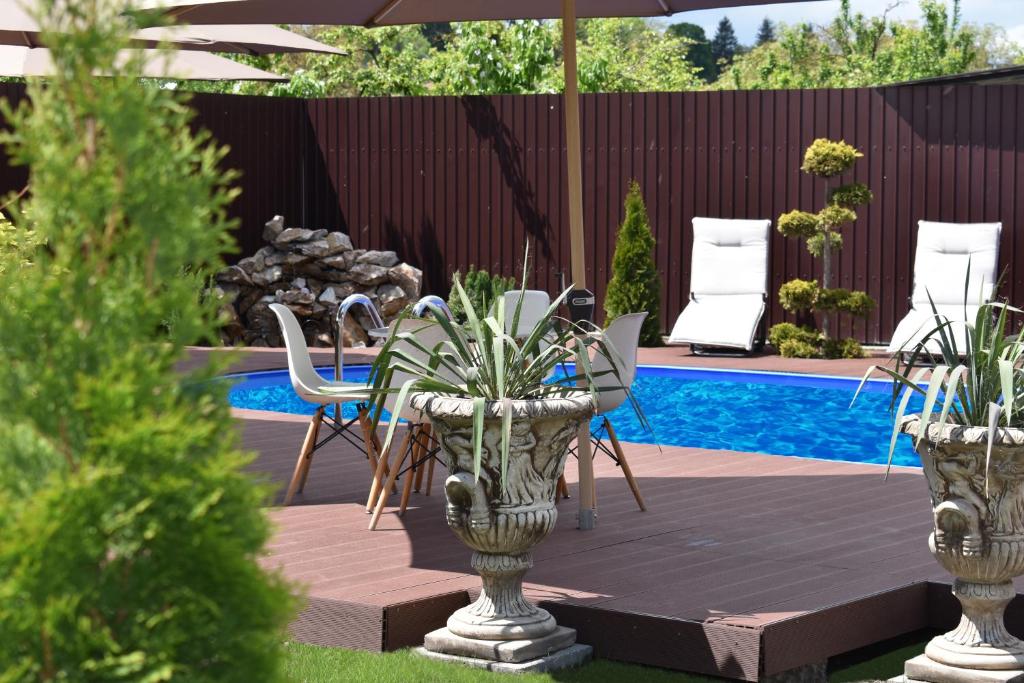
504, 428
970, 436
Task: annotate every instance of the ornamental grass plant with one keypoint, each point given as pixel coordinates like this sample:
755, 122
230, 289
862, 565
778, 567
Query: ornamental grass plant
978, 385
481, 362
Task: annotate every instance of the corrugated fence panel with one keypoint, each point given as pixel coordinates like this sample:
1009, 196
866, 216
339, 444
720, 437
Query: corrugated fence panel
450, 182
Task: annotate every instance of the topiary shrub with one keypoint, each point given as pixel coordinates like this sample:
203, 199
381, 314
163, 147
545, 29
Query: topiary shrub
821, 231
842, 348
483, 290
796, 348
783, 332
797, 296
129, 528
636, 284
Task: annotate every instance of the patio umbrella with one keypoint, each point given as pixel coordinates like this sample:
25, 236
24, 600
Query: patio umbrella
17, 27
371, 13
17, 62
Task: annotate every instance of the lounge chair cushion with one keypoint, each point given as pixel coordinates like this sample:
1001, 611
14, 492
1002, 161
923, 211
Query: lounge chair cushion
920, 322
944, 251
729, 256
940, 264
727, 320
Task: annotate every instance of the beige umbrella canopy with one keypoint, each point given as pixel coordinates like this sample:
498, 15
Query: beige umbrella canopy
18, 27
18, 61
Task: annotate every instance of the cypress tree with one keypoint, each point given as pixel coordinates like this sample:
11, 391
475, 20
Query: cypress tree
636, 284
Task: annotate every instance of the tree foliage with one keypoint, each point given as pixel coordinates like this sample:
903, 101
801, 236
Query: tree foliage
725, 46
478, 58
855, 50
699, 50
128, 529
765, 32
636, 284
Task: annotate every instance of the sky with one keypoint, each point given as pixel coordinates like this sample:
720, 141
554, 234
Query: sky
1006, 13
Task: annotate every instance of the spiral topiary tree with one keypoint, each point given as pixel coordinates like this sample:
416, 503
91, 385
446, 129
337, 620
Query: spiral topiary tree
635, 285
826, 159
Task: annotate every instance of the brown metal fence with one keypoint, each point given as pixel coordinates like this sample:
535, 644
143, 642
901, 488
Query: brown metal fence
448, 182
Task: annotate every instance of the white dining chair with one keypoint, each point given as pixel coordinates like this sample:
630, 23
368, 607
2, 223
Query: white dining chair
312, 387
623, 334
417, 444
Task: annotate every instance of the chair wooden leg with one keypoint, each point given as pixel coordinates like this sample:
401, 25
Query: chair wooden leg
423, 441
624, 465
430, 476
396, 467
309, 460
306, 453
430, 463
415, 469
562, 488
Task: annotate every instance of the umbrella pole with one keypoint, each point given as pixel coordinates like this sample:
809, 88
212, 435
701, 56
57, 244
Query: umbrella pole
587, 517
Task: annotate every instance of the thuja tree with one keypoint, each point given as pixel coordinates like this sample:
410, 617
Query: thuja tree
828, 160
129, 533
635, 285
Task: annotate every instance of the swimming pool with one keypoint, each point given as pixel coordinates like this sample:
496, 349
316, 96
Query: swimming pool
757, 412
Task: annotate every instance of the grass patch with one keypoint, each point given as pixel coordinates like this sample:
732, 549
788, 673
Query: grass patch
880, 661
311, 664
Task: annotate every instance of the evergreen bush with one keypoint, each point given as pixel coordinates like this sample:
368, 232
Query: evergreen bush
482, 288
635, 286
129, 532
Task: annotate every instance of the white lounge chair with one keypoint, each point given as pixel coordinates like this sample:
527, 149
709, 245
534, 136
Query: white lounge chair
944, 251
312, 387
728, 285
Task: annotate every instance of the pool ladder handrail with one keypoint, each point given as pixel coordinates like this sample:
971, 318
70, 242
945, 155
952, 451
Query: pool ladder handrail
343, 309
422, 306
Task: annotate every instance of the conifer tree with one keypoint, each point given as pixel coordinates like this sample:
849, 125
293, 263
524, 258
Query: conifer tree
636, 284
724, 45
129, 531
766, 32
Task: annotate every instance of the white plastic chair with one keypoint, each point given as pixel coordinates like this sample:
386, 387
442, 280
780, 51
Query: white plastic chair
944, 251
728, 285
312, 387
624, 336
535, 304
417, 442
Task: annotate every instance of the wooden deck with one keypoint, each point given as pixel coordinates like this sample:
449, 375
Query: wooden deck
744, 566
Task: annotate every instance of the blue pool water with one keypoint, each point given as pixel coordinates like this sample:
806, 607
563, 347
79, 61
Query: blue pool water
757, 412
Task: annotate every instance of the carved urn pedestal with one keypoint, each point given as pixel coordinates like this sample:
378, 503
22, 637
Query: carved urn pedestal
978, 538
502, 630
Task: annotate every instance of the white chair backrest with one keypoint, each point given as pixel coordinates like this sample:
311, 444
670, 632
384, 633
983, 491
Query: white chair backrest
535, 305
428, 334
730, 256
624, 335
940, 264
305, 379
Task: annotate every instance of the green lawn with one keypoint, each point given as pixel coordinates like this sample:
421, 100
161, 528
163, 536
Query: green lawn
309, 664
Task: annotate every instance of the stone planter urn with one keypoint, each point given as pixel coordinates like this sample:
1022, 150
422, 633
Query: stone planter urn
978, 537
502, 630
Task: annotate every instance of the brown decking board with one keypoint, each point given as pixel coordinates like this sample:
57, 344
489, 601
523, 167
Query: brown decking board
744, 565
